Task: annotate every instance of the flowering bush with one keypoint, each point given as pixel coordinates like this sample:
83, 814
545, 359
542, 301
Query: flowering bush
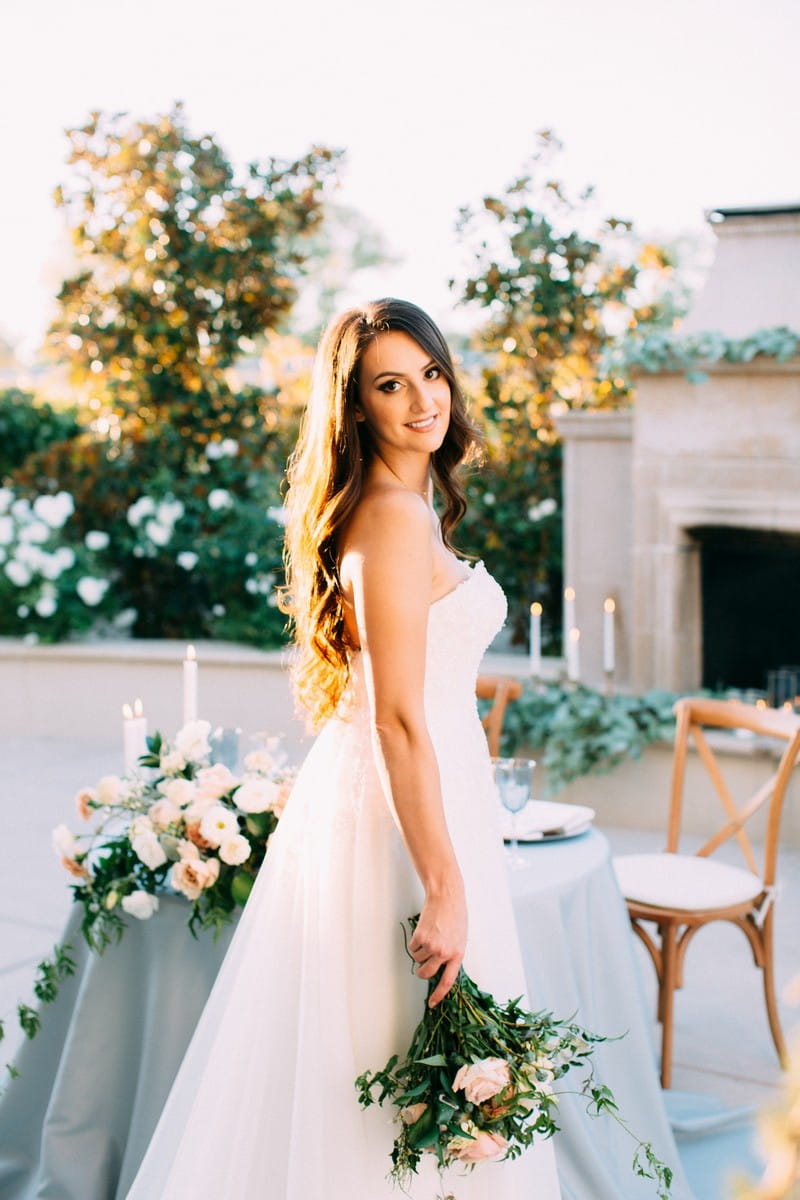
476, 1084
181, 823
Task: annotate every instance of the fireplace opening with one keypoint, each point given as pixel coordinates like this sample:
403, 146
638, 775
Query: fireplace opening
750, 588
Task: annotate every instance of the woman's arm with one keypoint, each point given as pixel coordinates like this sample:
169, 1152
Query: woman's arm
387, 565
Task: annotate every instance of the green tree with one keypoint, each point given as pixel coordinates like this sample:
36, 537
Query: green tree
559, 288
180, 262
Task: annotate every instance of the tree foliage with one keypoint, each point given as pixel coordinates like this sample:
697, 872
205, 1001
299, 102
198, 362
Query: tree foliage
559, 287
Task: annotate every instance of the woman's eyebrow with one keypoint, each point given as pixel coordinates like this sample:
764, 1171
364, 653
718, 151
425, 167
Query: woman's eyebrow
401, 374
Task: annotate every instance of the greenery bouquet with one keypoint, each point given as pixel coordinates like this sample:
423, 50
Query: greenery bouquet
476, 1084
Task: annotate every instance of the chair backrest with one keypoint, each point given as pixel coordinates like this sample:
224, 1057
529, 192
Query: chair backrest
694, 715
499, 689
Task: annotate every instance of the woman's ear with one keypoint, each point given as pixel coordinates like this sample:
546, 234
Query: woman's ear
359, 414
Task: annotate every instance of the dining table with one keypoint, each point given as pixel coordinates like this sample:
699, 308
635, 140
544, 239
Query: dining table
76, 1123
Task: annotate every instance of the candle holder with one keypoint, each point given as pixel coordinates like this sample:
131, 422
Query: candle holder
608, 683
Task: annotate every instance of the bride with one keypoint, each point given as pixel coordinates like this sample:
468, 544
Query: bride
393, 812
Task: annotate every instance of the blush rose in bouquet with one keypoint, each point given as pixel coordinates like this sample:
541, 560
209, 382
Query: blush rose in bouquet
182, 824
477, 1084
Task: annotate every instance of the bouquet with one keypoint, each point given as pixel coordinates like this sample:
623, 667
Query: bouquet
181, 823
476, 1084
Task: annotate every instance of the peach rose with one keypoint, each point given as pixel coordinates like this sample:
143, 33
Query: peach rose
85, 801
482, 1080
75, 868
191, 876
484, 1147
413, 1113
195, 836
164, 813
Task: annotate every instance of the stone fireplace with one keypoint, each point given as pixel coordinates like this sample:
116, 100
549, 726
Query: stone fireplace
687, 509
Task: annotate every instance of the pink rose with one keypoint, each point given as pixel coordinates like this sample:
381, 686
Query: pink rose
213, 782
191, 876
482, 1080
164, 813
484, 1147
85, 801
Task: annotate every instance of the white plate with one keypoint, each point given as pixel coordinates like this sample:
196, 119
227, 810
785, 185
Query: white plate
548, 821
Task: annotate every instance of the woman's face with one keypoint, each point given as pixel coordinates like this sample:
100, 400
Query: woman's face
403, 397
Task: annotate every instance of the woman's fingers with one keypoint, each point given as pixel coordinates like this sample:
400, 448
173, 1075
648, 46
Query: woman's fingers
445, 983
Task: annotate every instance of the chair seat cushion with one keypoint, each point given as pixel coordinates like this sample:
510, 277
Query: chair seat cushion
684, 881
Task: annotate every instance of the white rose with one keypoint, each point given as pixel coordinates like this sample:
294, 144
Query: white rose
109, 790
256, 795
198, 809
187, 560
235, 850
215, 781
37, 531
141, 508
260, 761
91, 590
139, 826
159, 534
179, 792
219, 825
65, 843
54, 510
219, 498
171, 761
97, 539
140, 904
19, 574
192, 741
149, 850
46, 606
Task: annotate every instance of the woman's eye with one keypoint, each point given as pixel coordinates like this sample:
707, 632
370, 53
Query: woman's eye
391, 385
433, 373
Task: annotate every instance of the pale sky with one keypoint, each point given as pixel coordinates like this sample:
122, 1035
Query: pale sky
669, 108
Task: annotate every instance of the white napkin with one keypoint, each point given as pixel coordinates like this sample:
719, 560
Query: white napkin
547, 818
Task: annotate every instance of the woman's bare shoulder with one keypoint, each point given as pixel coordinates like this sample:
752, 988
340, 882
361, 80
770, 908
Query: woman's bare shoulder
387, 512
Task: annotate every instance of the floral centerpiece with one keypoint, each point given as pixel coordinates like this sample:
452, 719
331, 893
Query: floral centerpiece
180, 824
476, 1084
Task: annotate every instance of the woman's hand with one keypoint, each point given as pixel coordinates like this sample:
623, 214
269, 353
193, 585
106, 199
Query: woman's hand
440, 940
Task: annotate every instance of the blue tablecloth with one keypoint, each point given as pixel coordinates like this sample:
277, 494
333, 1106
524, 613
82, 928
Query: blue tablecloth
77, 1122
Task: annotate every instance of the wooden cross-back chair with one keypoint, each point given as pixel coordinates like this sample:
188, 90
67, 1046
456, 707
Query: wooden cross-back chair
499, 689
680, 893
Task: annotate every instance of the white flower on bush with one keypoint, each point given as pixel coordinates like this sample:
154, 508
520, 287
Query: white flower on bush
37, 532
545, 508
140, 904
256, 795
18, 572
21, 509
65, 558
158, 534
91, 590
187, 559
148, 849
172, 762
6, 499
219, 499
139, 510
251, 558
192, 741
169, 510
54, 510
218, 825
227, 448
179, 792
47, 603
97, 539
7, 531
65, 843
109, 790
235, 850
279, 515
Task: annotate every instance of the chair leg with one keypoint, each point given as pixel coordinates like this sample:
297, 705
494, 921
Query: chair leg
769, 992
666, 997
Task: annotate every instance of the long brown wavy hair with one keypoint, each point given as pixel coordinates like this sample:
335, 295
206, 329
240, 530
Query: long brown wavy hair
326, 475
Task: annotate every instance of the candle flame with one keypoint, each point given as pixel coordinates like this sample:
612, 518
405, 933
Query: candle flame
138, 708
608, 605
569, 593
191, 653
127, 712
761, 703
536, 609
574, 634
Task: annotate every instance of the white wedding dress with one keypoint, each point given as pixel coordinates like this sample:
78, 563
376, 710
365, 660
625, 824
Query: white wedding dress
317, 988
